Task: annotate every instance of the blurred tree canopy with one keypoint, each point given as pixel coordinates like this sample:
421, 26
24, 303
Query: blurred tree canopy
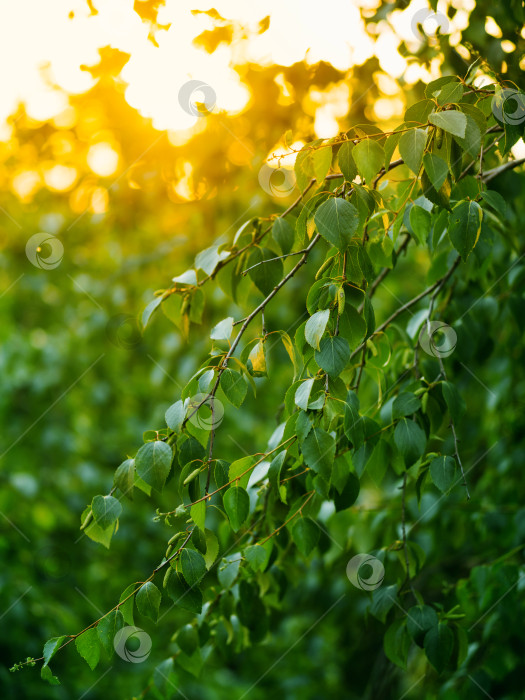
85, 386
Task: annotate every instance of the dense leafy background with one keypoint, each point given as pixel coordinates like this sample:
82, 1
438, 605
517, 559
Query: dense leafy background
78, 393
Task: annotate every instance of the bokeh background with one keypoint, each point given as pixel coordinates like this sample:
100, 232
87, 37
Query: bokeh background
96, 149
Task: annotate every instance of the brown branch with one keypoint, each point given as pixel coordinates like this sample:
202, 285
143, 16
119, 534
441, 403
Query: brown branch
510, 165
409, 304
249, 319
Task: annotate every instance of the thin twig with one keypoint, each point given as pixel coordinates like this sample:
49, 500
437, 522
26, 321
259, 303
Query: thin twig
247, 322
510, 165
279, 257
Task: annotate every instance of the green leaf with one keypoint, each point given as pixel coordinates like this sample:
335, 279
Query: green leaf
346, 161
186, 597
257, 360
107, 628
496, 201
234, 387
421, 221
258, 555
208, 259
305, 534
315, 327
188, 277
410, 440
283, 235
369, 157
228, 571
383, 598
153, 463
333, 355
193, 566
237, 506
419, 111
148, 311
51, 647
411, 146
164, 677
302, 395
292, 351
47, 675
97, 533
464, 226
420, 619
265, 275
319, 450
303, 425
451, 92
124, 478
397, 642
451, 120
353, 422
322, 159
440, 197
274, 472
352, 326
304, 164
188, 639
126, 608
241, 469
223, 330
212, 548
148, 599
88, 646
348, 496
106, 510
439, 644
454, 400
198, 514
472, 141
436, 169
337, 221
443, 472
404, 405
175, 416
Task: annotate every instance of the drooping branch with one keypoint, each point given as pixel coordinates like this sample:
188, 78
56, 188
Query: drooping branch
247, 322
409, 304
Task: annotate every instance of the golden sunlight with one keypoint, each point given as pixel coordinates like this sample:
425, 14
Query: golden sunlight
47, 60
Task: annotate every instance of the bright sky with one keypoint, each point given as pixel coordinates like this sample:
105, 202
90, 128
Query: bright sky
34, 33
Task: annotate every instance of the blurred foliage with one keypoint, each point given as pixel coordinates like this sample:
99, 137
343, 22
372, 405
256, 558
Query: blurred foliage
81, 385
